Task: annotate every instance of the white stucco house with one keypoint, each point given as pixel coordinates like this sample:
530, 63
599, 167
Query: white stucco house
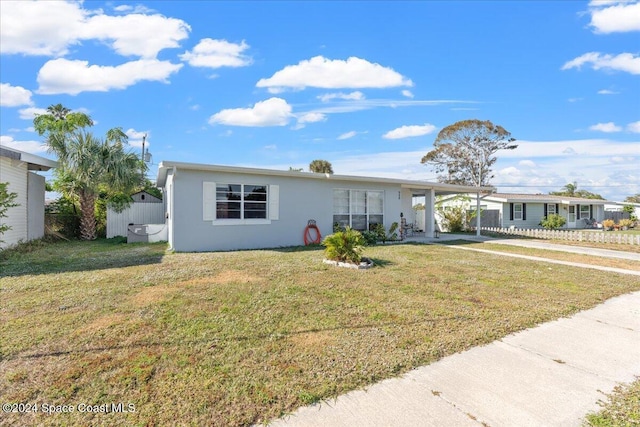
215, 207
19, 170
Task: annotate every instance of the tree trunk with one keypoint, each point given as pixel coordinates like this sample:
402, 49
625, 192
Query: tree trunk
88, 217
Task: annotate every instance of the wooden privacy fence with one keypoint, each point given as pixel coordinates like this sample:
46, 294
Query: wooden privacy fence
576, 236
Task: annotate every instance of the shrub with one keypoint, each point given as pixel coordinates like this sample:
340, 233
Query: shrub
455, 218
370, 238
392, 231
625, 223
7, 200
553, 221
608, 224
344, 246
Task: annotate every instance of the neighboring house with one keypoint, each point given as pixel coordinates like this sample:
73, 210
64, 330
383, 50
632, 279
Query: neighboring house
527, 210
19, 170
145, 209
618, 208
212, 207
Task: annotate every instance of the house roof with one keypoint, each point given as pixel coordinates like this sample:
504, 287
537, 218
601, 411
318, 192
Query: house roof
543, 198
440, 188
34, 163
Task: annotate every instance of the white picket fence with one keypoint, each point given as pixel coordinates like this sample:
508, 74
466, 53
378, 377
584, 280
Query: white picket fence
576, 236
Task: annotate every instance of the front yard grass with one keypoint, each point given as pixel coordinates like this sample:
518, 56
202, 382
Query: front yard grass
236, 338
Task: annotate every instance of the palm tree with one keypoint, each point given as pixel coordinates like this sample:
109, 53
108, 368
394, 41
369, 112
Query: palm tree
58, 123
320, 166
86, 164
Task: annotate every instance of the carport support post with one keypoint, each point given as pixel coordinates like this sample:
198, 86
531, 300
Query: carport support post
478, 216
429, 212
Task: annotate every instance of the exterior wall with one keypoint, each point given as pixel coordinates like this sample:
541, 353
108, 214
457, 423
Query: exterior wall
15, 173
136, 213
168, 204
35, 206
535, 212
300, 199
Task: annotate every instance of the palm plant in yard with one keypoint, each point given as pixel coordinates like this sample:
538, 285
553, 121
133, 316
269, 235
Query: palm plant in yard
87, 163
88, 166
344, 246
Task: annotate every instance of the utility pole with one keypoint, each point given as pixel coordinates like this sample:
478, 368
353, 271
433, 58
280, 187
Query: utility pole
478, 219
144, 138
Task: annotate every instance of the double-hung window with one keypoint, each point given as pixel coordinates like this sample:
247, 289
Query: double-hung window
551, 209
585, 211
517, 211
358, 209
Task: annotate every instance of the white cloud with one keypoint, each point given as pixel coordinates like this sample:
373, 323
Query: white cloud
72, 77
606, 127
614, 17
527, 163
271, 112
26, 146
607, 92
50, 28
407, 93
217, 53
135, 9
136, 34
575, 99
353, 96
39, 28
348, 135
14, 96
626, 62
578, 148
325, 73
620, 159
409, 131
311, 117
31, 112
634, 127
270, 147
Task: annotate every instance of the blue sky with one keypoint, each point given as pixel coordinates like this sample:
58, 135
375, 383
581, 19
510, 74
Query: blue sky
365, 85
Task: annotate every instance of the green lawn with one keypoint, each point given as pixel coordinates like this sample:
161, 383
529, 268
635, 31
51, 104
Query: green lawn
241, 337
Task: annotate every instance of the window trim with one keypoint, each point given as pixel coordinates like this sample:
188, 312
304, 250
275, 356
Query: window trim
243, 201
588, 212
515, 211
210, 204
551, 207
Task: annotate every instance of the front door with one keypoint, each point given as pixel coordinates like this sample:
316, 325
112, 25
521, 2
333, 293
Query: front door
571, 220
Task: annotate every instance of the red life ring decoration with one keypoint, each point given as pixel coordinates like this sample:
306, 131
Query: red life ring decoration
308, 238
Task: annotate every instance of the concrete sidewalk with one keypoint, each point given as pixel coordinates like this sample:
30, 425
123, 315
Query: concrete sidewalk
551, 375
602, 253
